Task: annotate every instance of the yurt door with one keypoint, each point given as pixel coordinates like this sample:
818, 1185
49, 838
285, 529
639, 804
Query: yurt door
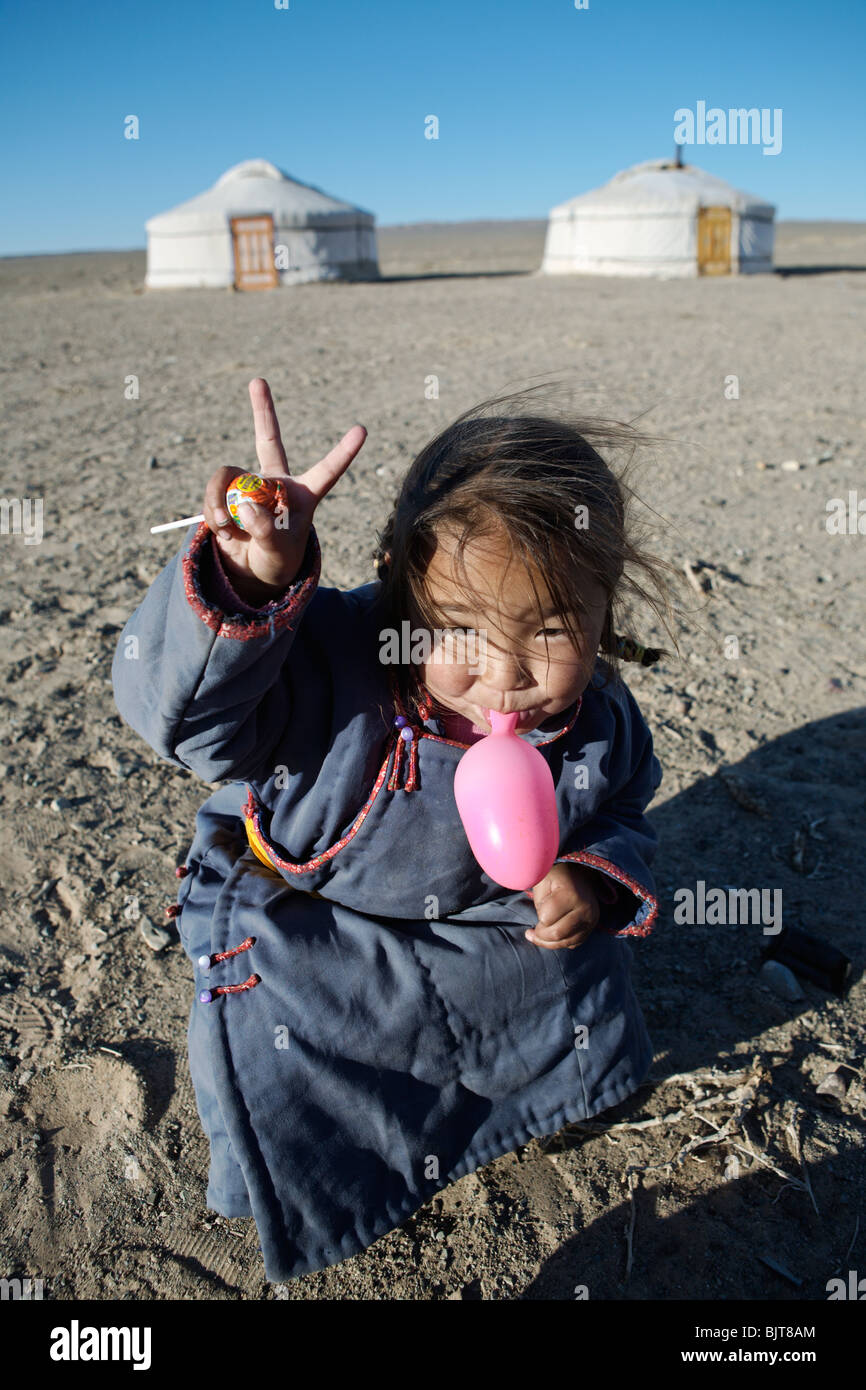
253, 246
714, 241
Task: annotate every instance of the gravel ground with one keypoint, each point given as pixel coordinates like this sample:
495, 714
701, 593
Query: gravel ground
729, 1156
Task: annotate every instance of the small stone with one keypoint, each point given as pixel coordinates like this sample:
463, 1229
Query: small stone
825, 458
132, 1168
781, 980
132, 910
834, 1085
791, 465
61, 803
381, 471
157, 938
760, 464
152, 462
178, 438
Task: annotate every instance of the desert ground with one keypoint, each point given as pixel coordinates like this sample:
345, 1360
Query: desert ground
735, 1171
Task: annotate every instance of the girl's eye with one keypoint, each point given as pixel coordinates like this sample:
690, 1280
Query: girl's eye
548, 631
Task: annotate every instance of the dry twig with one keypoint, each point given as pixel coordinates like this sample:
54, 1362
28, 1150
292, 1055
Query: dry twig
798, 1154
699, 586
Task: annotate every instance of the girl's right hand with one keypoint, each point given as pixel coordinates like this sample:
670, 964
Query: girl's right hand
262, 561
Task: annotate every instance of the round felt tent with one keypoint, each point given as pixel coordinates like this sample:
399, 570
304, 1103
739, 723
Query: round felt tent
660, 218
257, 228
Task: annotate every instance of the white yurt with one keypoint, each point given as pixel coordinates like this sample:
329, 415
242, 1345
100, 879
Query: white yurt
256, 228
660, 218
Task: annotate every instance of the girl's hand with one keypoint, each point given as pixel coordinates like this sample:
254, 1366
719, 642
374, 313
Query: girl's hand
262, 561
567, 905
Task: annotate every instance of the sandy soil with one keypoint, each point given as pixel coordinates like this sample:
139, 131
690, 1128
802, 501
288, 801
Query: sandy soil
729, 1155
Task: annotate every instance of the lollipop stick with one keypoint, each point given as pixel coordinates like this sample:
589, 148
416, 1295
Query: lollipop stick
171, 525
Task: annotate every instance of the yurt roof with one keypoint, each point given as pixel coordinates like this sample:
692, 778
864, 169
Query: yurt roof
257, 186
660, 187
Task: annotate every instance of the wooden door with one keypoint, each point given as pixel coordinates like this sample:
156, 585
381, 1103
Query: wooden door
253, 247
714, 241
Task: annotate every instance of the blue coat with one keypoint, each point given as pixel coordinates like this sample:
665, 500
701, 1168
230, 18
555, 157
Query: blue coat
396, 1029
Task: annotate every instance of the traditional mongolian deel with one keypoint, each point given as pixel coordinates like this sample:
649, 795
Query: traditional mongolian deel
369, 1022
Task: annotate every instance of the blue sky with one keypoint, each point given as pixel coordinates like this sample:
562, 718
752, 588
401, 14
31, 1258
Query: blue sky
536, 101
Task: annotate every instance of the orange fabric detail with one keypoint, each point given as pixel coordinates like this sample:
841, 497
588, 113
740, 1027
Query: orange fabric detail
256, 845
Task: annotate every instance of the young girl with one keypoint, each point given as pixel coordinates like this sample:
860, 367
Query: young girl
375, 1017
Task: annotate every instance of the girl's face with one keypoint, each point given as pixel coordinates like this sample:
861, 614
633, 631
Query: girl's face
511, 667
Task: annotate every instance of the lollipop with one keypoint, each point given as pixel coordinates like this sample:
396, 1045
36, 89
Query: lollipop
249, 487
246, 487
507, 802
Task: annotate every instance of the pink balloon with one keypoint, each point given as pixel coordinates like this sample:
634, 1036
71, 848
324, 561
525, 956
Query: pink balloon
507, 802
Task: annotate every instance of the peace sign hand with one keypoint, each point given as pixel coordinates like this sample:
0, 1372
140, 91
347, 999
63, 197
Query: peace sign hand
263, 560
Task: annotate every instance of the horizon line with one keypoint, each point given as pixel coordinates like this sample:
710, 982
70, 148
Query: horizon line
387, 226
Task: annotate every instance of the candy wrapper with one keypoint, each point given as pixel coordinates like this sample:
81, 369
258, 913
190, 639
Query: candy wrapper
249, 487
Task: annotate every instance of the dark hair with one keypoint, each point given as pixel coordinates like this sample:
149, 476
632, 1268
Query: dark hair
526, 474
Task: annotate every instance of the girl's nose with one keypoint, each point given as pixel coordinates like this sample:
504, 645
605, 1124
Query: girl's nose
504, 671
